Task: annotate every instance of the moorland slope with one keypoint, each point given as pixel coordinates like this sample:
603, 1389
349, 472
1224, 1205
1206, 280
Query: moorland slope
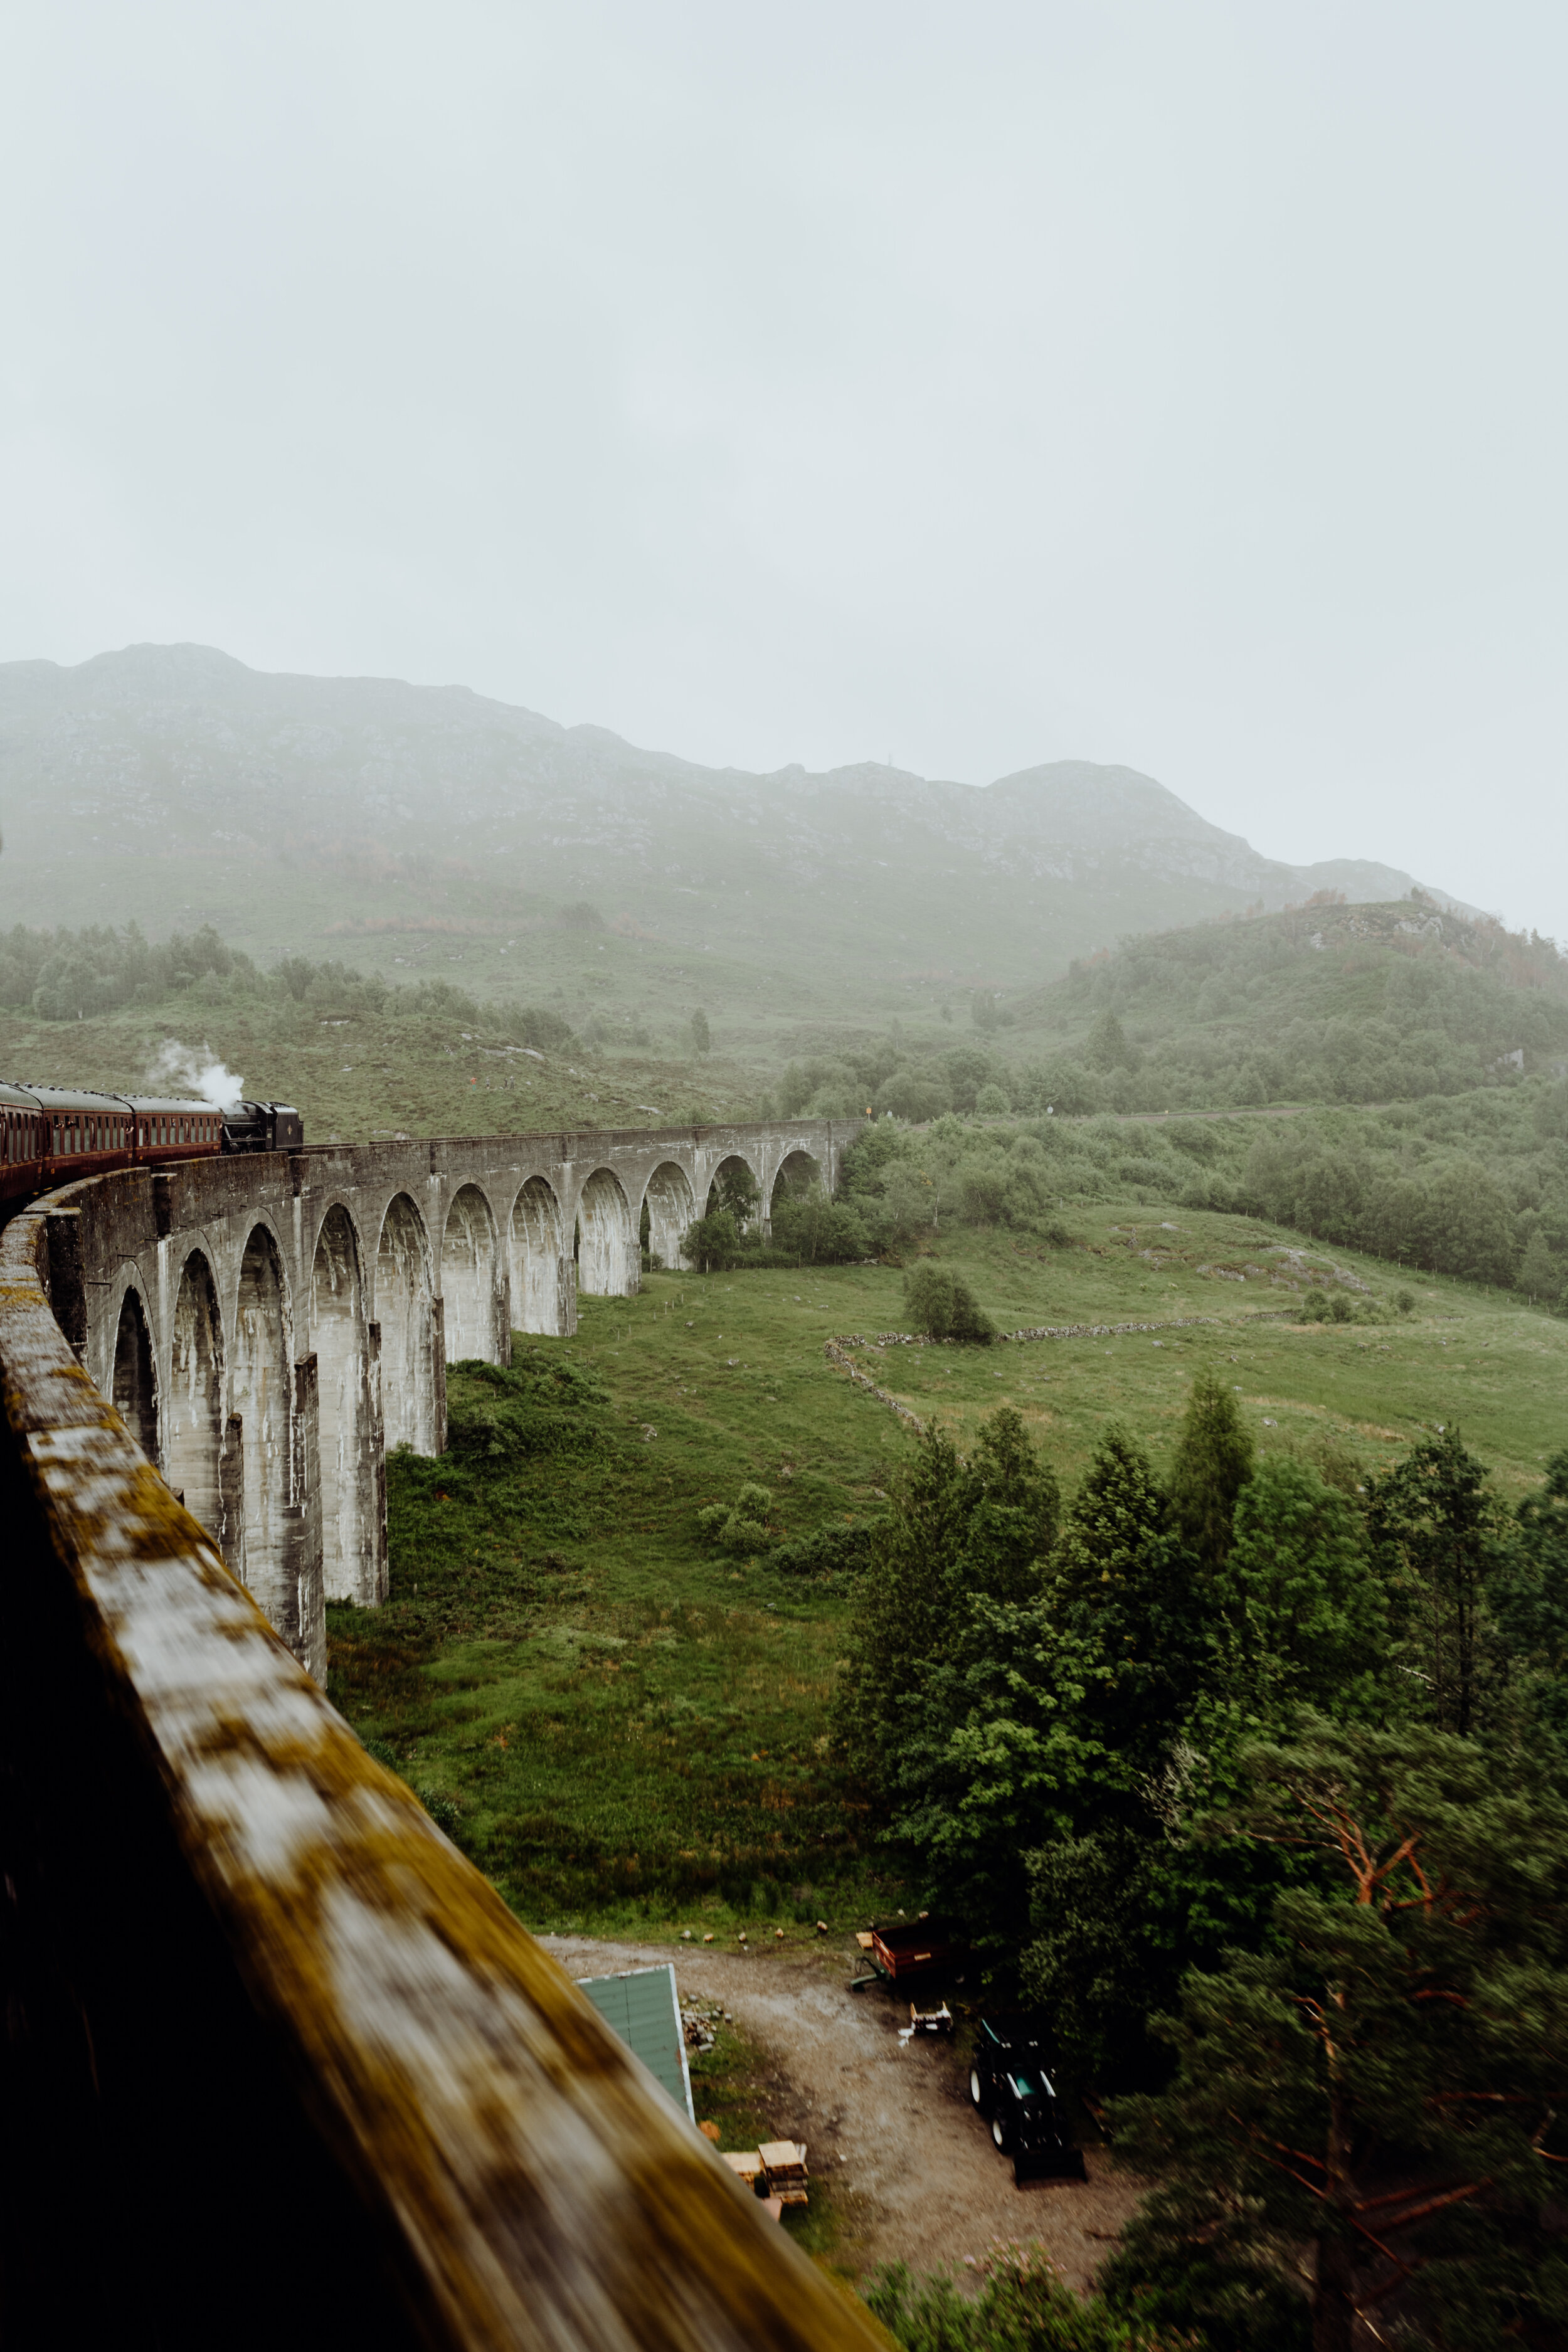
422, 827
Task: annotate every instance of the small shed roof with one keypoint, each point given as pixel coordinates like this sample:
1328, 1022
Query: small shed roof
644, 2008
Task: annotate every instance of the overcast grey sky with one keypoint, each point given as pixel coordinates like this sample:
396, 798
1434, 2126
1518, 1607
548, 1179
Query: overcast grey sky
1179, 384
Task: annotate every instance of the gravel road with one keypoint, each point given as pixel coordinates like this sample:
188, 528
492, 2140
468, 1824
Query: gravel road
915, 2178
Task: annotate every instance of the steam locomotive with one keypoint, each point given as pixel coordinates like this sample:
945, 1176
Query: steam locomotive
50, 1134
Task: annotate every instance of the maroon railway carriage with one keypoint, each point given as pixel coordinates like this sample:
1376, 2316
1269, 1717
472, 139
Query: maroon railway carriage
49, 1134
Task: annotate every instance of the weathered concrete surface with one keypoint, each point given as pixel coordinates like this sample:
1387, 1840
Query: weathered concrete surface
268, 1325
468, 2157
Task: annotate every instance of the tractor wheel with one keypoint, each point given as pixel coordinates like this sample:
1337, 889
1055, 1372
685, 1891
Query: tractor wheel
976, 2089
1000, 2134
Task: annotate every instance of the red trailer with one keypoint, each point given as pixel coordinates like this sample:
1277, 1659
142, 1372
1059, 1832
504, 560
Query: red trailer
917, 1948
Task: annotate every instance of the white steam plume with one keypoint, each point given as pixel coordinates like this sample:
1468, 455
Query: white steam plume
199, 1073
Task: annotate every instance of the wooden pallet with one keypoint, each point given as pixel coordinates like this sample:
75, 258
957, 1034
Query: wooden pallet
783, 2161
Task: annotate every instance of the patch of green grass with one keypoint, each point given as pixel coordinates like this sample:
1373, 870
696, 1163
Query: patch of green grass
735, 2085
632, 1729
1366, 1388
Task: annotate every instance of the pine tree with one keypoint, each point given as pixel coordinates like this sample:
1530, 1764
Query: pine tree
1303, 1608
1213, 1462
1527, 1598
1106, 1046
1437, 1530
1117, 1511
1384, 2082
959, 1534
1123, 1584
1014, 1504
898, 1621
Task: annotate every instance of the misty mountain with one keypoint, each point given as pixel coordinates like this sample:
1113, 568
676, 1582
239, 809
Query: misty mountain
174, 784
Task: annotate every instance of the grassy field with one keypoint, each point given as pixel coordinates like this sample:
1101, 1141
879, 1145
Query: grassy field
628, 1731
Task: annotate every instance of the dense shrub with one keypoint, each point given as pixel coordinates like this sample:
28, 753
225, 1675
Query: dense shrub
936, 1301
738, 1528
843, 1551
1022, 2306
544, 1405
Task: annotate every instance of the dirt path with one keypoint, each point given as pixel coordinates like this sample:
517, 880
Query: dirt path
914, 2175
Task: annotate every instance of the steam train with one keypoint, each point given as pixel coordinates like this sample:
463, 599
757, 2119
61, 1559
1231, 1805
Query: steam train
50, 1134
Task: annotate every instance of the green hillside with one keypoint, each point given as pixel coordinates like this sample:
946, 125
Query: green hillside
1327, 1002
1415, 1053
425, 831
360, 1058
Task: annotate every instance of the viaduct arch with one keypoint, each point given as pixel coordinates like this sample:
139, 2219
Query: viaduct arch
267, 1326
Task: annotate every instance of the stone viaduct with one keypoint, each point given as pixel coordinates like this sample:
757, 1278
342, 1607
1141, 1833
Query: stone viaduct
267, 1326
275, 2048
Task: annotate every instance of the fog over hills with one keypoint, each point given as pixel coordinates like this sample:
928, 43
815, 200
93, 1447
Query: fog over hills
173, 783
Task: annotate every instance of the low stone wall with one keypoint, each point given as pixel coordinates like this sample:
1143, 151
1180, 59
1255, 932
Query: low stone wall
281, 2067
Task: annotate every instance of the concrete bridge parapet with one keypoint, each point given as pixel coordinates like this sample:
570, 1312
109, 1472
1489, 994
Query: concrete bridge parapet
269, 1326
